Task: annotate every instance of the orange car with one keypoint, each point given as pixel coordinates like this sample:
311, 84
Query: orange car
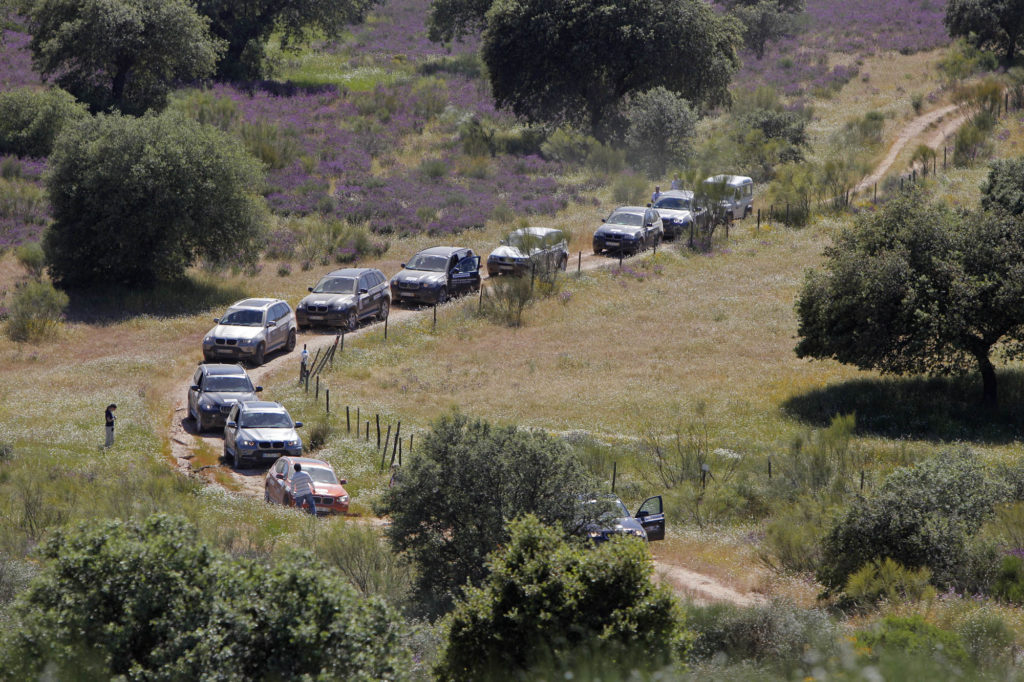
328, 494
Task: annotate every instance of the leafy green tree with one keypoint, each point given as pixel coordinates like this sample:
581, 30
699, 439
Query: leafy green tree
549, 600
121, 54
31, 119
137, 200
450, 507
921, 517
574, 61
246, 26
450, 20
765, 21
660, 126
1004, 186
152, 601
915, 288
988, 24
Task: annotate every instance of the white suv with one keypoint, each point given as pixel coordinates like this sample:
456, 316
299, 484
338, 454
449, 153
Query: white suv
249, 330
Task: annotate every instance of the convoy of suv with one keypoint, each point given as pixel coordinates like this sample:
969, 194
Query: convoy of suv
256, 431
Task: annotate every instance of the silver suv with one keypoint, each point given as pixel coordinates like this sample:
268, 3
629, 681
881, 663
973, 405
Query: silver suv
529, 248
259, 431
249, 330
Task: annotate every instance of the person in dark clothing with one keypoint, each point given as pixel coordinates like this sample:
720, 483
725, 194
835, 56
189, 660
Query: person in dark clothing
110, 424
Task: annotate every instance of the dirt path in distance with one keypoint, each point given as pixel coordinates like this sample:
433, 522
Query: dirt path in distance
699, 588
948, 120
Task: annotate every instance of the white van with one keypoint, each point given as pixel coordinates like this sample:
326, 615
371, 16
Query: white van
739, 199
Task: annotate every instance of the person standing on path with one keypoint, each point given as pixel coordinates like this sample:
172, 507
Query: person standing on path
304, 370
109, 414
302, 489
656, 193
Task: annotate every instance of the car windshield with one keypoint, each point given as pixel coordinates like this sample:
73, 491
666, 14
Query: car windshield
603, 508
673, 203
431, 263
629, 219
336, 285
265, 420
243, 318
524, 240
321, 475
228, 384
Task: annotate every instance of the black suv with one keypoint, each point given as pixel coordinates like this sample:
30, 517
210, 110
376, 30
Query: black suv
603, 516
435, 274
344, 298
214, 391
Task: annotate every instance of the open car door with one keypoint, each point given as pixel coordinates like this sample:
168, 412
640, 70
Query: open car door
651, 516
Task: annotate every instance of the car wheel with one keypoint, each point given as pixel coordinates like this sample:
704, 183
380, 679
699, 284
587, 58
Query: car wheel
287, 500
352, 321
385, 306
290, 346
640, 246
238, 460
227, 455
200, 424
266, 494
257, 358
442, 296
597, 252
563, 263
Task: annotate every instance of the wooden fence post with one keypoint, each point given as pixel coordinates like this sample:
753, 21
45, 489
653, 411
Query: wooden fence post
378, 432
348, 421
327, 395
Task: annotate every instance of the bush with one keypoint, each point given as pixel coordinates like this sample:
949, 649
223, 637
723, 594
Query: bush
546, 600
606, 159
630, 189
31, 120
777, 633
36, 312
886, 579
164, 186
921, 517
433, 169
567, 145
793, 192
152, 601
659, 130
1009, 585
360, 554
793, 536
31, 257
505, 300
474, 470
987, 638
911, 635
319, 433
269, 144
209, 109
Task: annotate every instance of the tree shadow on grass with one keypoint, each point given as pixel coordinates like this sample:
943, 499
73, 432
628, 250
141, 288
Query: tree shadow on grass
185, 296
937, 409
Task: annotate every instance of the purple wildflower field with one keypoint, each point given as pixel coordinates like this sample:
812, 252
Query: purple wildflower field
800, 64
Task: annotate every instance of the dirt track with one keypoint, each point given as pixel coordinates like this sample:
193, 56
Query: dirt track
690, 584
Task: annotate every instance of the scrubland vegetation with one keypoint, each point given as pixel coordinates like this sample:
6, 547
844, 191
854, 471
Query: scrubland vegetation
876, 519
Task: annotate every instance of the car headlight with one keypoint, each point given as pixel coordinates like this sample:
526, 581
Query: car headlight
209, 407
427, 284
343, 499
208, 339
292, 443
248, 443
246, 342
595, 534
340, 306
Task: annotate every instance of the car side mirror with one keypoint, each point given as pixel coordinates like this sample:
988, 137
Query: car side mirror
279, 477
298, 425
648, 205
363, 291
216, 320
258, 389
231, 423
194, 387
402, 266
272, 323
309, 289
504, 242
602, 220
343, 481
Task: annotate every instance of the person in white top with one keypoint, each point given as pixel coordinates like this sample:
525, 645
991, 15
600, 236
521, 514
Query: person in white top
302, 489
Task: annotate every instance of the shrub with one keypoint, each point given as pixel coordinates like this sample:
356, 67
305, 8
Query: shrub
547, 600
987, 638
36, 311
793, 536
886, 579
319, 433
659, 129
429, 97
911, 635
150, 600
793, 192
776, 633
284, 269
206, 107
969, 144
606, 159
630, 189
31, 257
567, 145
921, 517
916, 102
433, 169
474, 470
164, 186
269, 144
1009, 585
505, 300
31, 120
360, 554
